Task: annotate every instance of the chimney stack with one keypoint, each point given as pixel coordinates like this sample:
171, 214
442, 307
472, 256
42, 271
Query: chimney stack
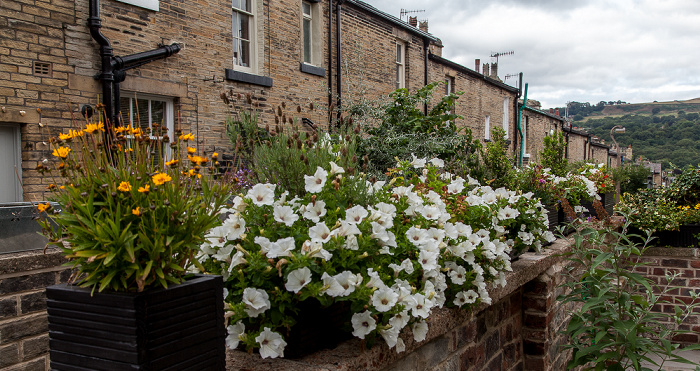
556, 111
423, 26
551, 110
486, 69
413, 21
494, 71
477, 64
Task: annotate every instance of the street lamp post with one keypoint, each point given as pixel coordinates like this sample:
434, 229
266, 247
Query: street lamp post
613, 130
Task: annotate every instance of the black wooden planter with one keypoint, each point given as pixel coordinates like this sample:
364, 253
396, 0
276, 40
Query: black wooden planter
685, 236
179, 328
318, 328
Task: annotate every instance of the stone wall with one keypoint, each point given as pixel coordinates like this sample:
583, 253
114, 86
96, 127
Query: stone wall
536, 126
24, 339
683, 260
577, 145
599, 153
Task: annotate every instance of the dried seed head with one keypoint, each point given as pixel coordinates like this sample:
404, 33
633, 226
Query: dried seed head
279, 111
311, 106
249, 98
299, 109
225, 98
284, 104
277, 120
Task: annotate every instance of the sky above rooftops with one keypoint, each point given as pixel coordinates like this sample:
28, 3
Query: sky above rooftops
635, 51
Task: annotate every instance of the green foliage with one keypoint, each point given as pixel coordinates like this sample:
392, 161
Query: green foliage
631, 177
245, 134
649, 209
498, 167
685, 189
614, 327
553, 155
404, 129
129, 221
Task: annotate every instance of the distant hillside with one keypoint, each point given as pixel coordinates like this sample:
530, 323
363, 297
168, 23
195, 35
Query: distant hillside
666, 132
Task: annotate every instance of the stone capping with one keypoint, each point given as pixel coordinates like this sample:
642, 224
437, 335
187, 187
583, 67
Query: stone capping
350, 355
313, 70
679, 252
248, 78
18, 263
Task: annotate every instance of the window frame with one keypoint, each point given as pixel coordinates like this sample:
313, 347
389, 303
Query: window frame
487, 128
310, 30
400, 53
236, 13
168, 114
16, 136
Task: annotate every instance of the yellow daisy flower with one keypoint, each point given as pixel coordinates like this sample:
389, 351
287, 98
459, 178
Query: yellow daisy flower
186, 137
43, 207
91, 128
161, 178
136, 211
61, 152
124, 187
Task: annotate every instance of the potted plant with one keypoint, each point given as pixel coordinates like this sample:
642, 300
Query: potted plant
130, 227
540, 181
425, 239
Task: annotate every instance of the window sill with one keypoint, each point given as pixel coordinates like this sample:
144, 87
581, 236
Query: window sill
248, 78
313, 70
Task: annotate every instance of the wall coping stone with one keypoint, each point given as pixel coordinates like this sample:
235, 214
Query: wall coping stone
350, 355
15, 263
680, 252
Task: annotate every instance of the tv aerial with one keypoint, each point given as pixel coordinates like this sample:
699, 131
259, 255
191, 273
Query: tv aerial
405, 12
501, 54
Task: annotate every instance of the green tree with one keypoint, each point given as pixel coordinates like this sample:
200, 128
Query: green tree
499, 168
553, 154
631, 177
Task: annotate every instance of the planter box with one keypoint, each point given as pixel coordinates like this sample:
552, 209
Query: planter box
553, 216
684, 237
318, 328
179, 328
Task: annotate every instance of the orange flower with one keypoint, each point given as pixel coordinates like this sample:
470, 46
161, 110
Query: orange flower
136, 211
91, 128
43, 207
186, 137
61, 152
124, 187
144, 189
197, 159
172, 163
191, 150
161, 178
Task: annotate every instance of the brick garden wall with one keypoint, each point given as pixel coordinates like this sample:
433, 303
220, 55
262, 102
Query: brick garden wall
686, 261
24, 339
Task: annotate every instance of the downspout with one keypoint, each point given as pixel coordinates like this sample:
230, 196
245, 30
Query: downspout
520, 128
114, 68
338, 75
330, 63
426, 52
106, 52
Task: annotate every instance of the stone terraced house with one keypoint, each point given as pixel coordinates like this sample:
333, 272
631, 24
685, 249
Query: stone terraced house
170, 61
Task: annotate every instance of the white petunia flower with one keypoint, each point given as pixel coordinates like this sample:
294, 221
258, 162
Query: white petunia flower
457, 186
355, 214
470, 296
417, 236
315, 211
390, 335
271, 344
400, 346
256, 301
234, 333
236, 260
507, 213
315, 183
281, 247
458, 275
400, 320
262, 194
285, 214
297, 279
335, 169
384, 299
363, 324
420, 330
437, 162
422, 306
320, 233
417, 162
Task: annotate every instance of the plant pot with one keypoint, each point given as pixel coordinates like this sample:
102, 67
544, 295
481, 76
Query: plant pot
553, 216
179, 328
318, 328
684, 237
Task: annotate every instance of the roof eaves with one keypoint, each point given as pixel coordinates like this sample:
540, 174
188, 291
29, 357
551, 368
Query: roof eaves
386, 16
543, 112
459, 67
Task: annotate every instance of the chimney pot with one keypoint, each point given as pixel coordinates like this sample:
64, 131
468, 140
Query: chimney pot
477, 64
413, 21
423, 26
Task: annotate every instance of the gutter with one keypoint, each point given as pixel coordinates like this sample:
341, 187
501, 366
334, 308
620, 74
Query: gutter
114, 68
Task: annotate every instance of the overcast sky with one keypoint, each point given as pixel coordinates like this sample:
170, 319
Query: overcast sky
574, 50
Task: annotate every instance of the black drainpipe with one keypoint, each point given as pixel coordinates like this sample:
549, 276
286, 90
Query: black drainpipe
330, 62
338, 59
114, 68
107, 76
426, 53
